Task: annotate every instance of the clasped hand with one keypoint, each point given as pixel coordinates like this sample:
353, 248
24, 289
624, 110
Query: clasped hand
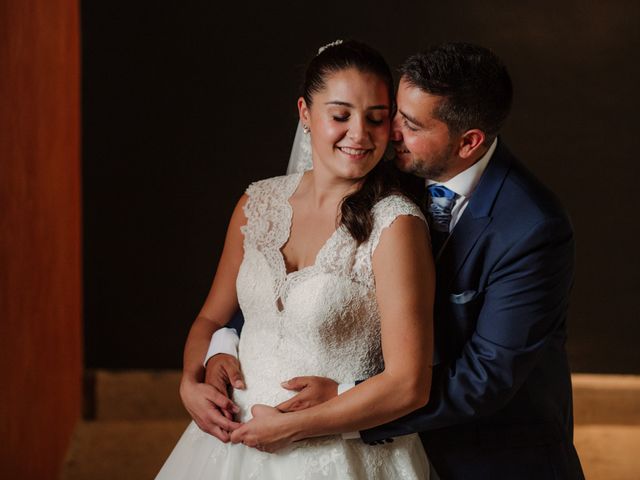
208, 403
269, 429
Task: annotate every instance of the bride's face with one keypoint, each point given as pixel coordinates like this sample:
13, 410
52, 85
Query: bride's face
350, 123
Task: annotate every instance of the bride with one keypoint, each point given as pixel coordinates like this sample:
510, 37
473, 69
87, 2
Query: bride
332, 271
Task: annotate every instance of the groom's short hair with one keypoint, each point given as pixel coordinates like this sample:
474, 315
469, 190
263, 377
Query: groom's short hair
474, 83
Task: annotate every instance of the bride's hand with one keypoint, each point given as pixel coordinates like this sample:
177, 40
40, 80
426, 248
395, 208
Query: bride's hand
267, 431
212, 411
311, 391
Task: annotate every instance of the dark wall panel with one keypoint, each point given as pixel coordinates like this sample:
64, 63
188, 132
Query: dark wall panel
183, 107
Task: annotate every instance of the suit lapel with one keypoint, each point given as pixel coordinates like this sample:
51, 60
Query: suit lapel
463, 238
475, 218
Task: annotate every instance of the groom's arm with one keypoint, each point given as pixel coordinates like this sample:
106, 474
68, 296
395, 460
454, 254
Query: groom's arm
225, 340
221, 361
524, 307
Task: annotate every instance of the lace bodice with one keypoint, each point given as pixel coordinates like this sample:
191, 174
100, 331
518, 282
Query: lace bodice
321, 320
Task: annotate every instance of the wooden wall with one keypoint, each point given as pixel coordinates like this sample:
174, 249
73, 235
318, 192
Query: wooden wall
40, 235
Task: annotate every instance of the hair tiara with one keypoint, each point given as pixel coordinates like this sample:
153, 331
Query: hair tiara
329, 45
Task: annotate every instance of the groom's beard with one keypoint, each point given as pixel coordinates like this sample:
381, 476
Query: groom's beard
432, 167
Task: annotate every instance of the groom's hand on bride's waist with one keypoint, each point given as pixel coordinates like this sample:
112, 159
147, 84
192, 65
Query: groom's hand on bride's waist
211, 410
311, 391
209, 402
223, 371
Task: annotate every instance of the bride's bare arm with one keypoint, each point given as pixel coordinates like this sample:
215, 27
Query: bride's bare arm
210, 409
405, 280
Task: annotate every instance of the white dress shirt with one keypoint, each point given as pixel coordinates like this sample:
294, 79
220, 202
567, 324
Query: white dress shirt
225, 340
465, 183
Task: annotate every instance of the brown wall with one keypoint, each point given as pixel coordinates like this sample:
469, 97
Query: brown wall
40, 240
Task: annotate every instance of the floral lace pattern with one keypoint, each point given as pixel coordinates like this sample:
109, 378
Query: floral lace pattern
321, 320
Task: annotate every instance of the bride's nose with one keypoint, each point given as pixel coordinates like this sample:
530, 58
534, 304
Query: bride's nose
357, 129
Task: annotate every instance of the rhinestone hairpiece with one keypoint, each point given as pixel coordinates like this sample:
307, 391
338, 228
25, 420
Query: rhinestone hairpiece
329, 45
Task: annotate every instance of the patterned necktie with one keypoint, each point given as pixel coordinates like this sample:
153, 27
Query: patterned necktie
440, 203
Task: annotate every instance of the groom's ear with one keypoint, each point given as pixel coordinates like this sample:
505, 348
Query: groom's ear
470, 142
303, 111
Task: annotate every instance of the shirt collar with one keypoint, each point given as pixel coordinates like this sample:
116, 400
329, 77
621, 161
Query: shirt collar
466, 181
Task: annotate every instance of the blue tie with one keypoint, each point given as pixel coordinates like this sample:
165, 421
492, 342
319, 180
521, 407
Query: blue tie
440, 203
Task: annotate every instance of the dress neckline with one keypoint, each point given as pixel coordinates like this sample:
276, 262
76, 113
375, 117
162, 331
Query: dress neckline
288, 225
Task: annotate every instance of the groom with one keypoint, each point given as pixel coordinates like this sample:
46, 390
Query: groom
500, 405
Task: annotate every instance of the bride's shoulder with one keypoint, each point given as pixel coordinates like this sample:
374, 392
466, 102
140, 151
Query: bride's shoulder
385, 213
393, 206
274, 185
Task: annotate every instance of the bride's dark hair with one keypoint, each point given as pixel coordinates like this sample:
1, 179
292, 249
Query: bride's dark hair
382, 180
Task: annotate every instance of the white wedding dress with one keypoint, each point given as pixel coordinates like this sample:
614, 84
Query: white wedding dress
321, 320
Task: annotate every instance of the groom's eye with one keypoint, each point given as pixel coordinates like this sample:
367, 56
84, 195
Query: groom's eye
408, 125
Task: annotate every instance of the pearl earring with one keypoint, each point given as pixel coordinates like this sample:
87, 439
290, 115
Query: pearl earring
306, 129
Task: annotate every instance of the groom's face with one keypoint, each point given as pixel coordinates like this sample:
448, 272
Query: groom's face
423, 143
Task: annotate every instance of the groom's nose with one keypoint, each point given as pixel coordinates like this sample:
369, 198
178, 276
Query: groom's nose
396, 131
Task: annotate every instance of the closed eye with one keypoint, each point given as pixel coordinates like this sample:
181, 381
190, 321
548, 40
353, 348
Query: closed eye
371, 120
375, 121
406, 123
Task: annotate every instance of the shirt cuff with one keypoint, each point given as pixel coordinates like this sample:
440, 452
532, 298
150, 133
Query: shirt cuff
344, 387
224, 340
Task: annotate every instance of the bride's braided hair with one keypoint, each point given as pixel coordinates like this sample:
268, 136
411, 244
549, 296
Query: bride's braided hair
382, 180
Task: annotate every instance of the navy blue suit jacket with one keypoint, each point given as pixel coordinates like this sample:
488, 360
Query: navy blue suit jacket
500, 405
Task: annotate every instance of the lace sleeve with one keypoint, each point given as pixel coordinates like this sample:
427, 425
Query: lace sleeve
385, 213
251, 209
266, 209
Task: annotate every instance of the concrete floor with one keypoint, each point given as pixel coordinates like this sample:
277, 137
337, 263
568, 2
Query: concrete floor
138, 419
